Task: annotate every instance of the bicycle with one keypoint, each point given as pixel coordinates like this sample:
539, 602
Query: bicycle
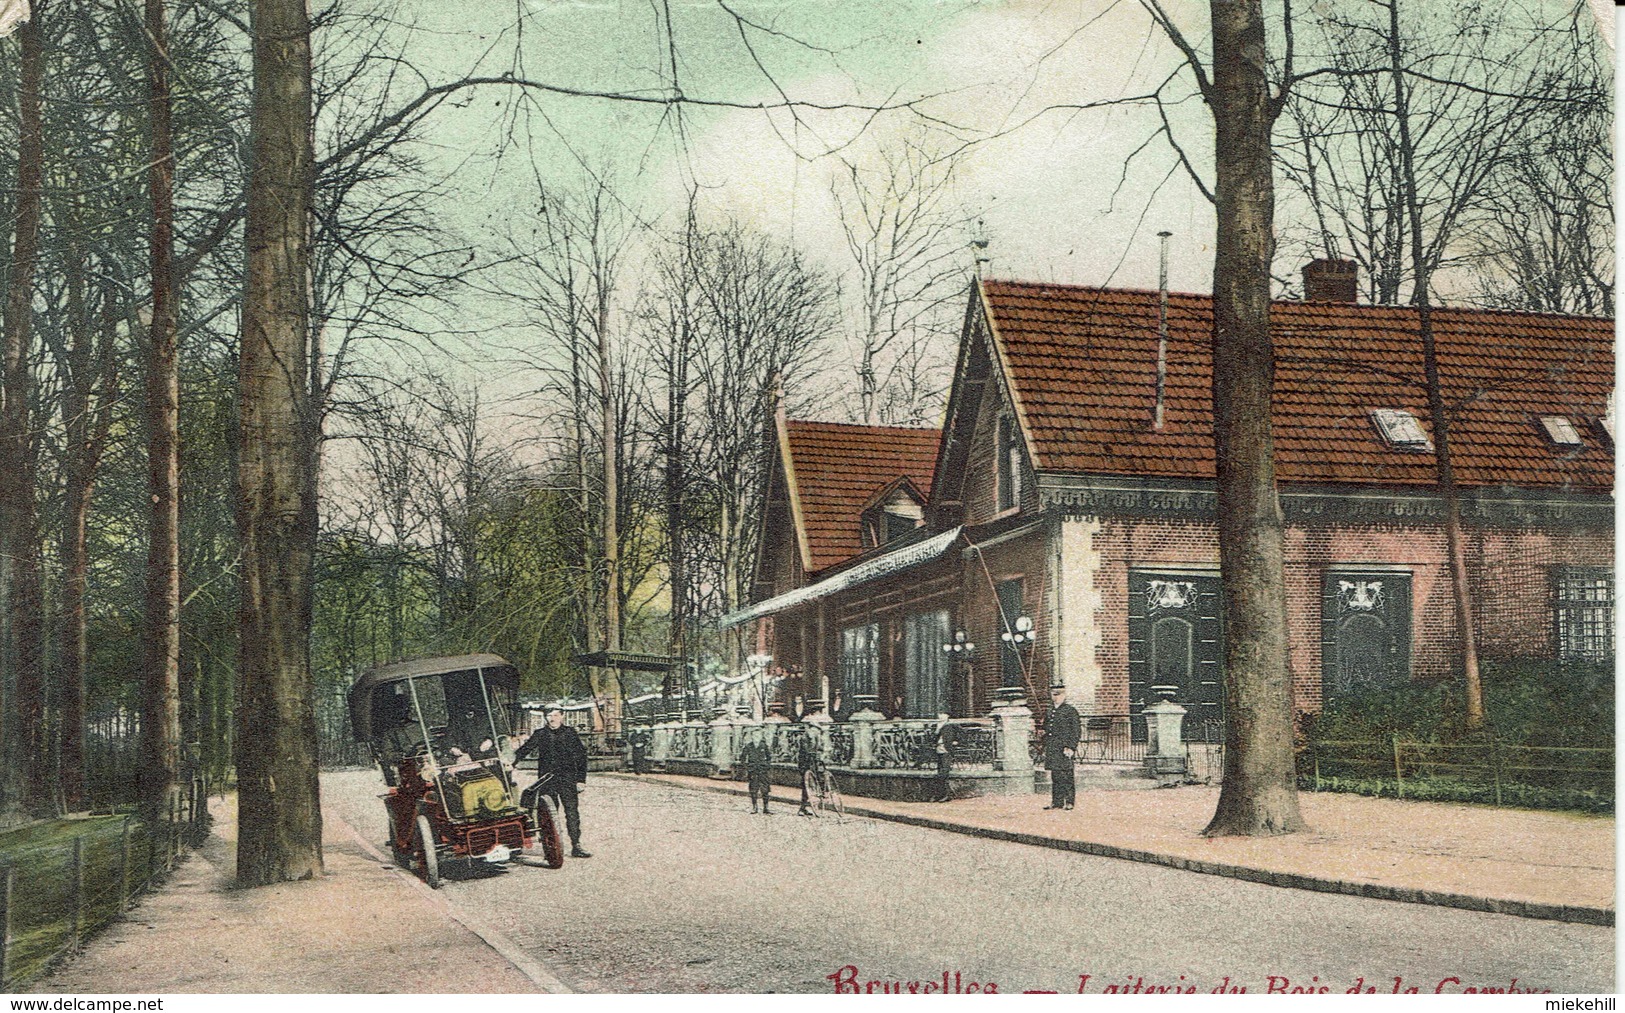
820, 785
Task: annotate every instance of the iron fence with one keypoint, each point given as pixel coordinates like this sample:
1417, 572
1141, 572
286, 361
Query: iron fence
842, 743
1112, 738
904, 745
975, 745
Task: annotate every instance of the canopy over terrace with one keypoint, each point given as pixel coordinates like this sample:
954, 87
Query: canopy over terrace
629, 661
895, 561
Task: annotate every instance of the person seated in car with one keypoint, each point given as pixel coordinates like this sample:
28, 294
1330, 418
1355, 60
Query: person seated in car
403, 735
468, 727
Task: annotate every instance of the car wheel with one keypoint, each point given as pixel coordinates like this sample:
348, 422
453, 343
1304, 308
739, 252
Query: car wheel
547, 832
429, 861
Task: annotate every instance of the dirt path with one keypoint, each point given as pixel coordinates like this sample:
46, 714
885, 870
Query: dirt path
364, 927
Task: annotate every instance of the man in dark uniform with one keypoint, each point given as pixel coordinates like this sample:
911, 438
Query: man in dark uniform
1062, 730
758, 764
638, 741
561, 770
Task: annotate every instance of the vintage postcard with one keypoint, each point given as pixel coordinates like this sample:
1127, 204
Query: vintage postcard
724, 496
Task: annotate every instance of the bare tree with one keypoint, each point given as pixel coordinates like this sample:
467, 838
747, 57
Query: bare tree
1547, 239
1402, 146
764, 313
1470, 106
907, 239
1259, 796
279, 815
570, 273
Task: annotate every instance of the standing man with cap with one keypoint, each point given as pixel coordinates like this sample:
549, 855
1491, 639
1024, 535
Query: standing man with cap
561, 771
1062, 730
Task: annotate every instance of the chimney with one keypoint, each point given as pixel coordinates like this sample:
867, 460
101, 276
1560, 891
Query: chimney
1331, 281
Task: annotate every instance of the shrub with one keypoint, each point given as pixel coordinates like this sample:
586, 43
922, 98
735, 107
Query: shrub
1529, 702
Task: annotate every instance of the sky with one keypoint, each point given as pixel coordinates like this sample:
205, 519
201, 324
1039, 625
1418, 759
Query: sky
1062, 195
1049, 188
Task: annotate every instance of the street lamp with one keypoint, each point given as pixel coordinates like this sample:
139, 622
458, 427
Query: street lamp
1016, 636
961, 646
1023, 633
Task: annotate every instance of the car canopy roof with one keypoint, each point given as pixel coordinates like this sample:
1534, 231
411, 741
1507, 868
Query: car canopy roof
496, 669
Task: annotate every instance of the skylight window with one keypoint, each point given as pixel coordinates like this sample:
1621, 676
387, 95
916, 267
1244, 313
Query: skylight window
1561, 431
1400, 430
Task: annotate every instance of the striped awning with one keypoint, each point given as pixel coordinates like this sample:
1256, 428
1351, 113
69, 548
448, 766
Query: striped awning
896, 561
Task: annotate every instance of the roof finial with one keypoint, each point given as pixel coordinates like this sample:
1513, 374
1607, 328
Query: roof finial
1162, 329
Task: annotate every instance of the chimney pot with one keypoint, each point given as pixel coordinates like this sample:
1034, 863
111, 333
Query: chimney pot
1328, 280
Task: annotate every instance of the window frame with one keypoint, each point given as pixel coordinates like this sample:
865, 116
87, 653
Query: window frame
1593, 641
1008, 477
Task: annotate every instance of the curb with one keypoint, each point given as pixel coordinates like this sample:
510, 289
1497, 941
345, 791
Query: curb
1577, 914
495, 939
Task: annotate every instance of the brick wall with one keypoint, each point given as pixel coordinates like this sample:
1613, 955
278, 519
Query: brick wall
1510, 574
1025, 557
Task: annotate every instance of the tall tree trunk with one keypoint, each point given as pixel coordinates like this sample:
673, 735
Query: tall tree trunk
676, 401
1260, 792
1439, 417
279, 823
612, 496
22, 604
161, 655
86, 422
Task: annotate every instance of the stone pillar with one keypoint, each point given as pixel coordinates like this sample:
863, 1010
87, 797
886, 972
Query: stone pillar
1164, 747
660, 742
722, 745
863, 732
1013, 731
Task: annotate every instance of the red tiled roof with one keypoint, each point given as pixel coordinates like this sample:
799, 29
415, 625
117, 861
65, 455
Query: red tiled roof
838, 467
1083, 365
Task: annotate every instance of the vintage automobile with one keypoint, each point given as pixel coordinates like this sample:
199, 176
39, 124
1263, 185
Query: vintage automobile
441, 729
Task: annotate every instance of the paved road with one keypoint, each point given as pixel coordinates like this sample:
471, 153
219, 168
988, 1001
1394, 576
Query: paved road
689, 892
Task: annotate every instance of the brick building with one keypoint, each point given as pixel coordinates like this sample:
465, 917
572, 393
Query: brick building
1069, 500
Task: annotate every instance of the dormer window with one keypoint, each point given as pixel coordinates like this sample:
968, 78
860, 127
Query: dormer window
1009, 464
1561, 432
893, 516
1400, 430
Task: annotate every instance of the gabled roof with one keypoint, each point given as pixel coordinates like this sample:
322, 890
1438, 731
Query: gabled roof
1082, 365
837, 468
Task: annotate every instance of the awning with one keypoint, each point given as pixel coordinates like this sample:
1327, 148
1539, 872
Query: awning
892, 562
627, 661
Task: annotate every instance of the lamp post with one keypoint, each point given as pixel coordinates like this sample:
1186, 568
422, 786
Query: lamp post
960, 649
1017, 636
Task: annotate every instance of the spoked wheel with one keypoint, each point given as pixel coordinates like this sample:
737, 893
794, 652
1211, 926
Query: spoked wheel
833, 798
547, 832
428, 861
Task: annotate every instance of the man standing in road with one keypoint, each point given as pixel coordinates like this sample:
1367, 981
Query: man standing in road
561, 771
1062, 730
758, 764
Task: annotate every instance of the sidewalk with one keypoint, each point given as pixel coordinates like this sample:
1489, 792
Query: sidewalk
364, 927
1511, 861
